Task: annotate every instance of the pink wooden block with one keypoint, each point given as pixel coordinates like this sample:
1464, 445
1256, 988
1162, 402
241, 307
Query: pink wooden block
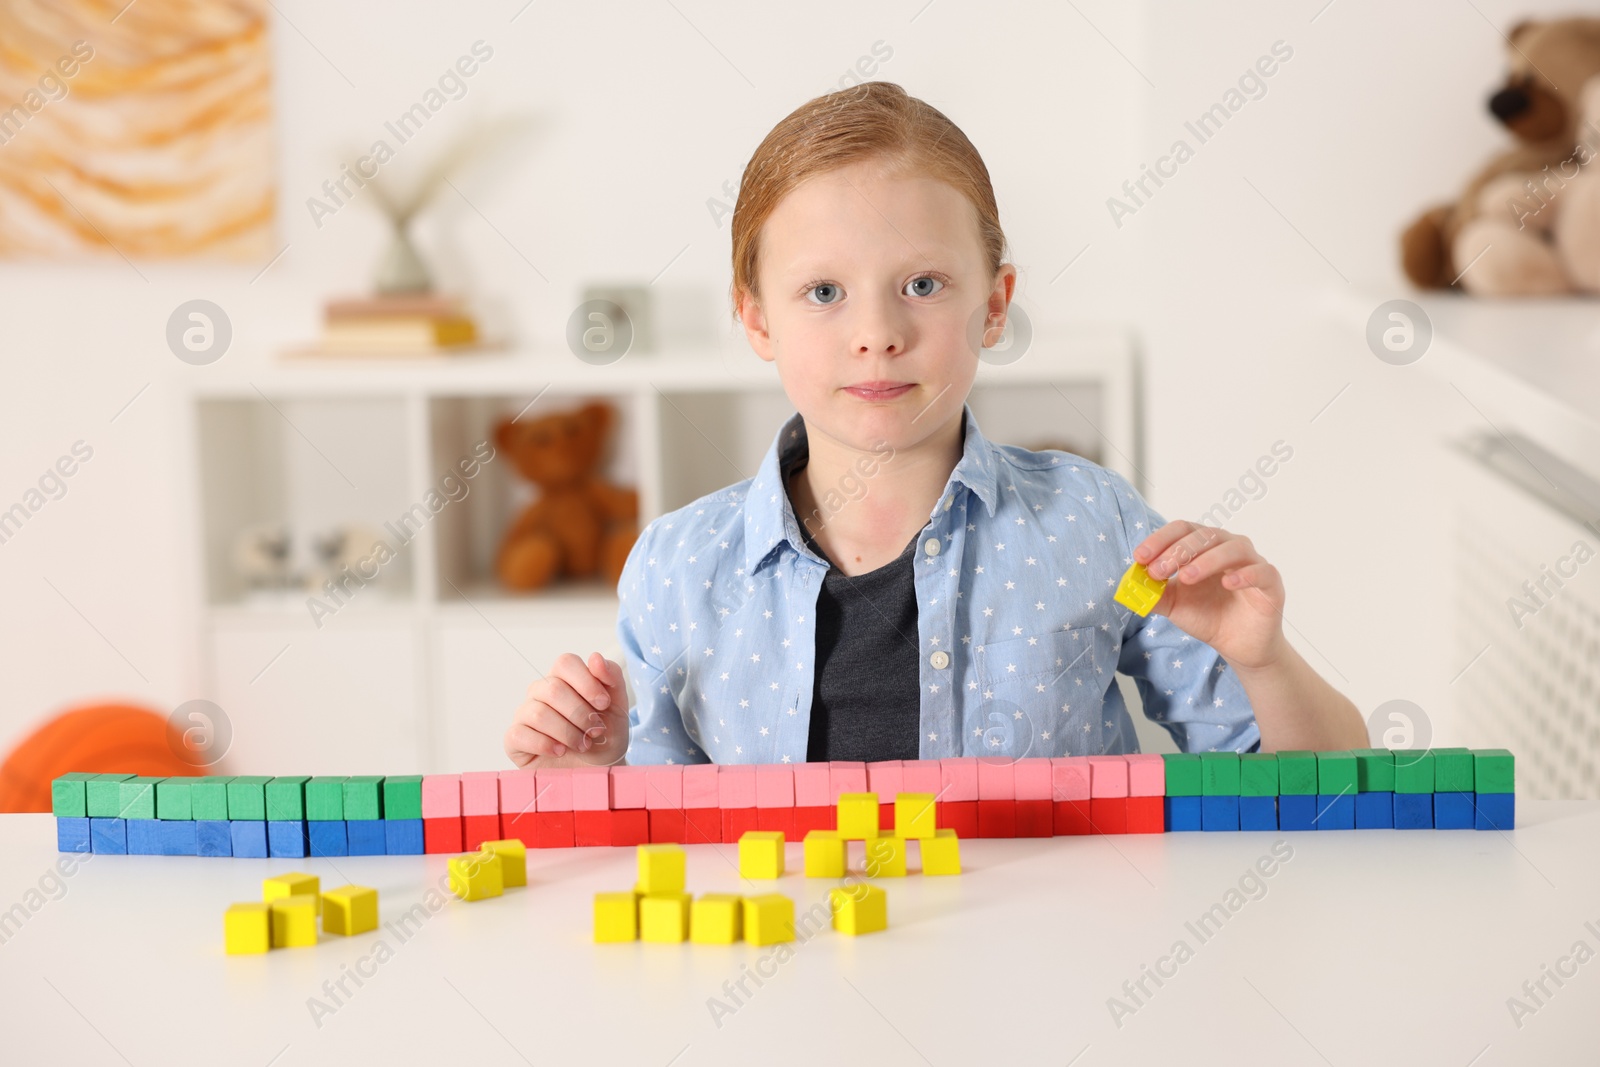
1147, 775
1033, 779
441, 796
700, 785
846, 777
886, 779
811, 786
517, 792
1069, 778
774, 786
480, 793
555, 788
996, 780
1108, 776
627, 788
958, 779
920, 776
591, 789
736, 786
663, 787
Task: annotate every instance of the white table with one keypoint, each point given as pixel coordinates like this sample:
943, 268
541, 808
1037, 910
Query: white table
1363, 947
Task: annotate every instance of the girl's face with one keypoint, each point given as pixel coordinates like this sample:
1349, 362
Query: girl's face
875, 296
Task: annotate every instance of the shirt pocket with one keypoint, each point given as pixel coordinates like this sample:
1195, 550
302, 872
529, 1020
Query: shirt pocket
1052, 659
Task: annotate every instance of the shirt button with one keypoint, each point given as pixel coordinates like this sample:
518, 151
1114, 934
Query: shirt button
940, 660
931, 546
948, 501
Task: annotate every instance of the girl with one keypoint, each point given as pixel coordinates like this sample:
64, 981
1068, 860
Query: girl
891, 584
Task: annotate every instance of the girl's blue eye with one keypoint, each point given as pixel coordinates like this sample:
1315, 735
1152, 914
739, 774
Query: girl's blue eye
925, 279
828, 290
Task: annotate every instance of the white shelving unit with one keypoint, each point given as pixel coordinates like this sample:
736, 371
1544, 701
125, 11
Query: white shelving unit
420, 670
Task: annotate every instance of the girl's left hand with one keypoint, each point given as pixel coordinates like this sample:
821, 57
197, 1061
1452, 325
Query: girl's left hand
1219, 590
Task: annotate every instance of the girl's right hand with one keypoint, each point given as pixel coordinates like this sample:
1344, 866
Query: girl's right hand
578, 708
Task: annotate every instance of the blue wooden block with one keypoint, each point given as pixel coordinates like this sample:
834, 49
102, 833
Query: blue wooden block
286, 838
327, 837
178, 837
1375, 811
1183, 813
249, 838
144, 837
213, 837
1336, 811
403, 837
1297, 811
365, 837
72, 833
1219, 812
1413, 811
109, 836
1494, 811
1258, 813
1452, 811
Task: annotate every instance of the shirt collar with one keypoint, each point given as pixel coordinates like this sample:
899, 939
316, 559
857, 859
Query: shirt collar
769, 518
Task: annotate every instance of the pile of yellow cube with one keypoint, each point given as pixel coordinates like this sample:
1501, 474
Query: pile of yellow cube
886, 853
487, 872
287, 914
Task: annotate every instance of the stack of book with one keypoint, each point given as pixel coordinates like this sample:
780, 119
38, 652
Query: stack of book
422, 324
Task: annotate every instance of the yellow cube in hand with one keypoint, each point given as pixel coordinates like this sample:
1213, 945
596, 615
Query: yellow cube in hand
1137, 590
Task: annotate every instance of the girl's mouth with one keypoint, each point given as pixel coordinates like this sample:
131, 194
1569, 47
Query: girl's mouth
879, 390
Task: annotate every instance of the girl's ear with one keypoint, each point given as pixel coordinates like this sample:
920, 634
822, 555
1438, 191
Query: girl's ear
754, 321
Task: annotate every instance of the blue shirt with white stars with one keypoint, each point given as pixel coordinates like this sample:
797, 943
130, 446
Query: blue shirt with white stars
1018, 636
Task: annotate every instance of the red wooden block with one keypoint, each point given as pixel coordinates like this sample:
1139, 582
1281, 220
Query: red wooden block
478, 829
590, 827
1072, 817
886, 778
1146, 815
811, 785
958, 779
702, 825
480, 794
1035, 818
553, 829
442, 835
591, 788
846, 776
630, 826
777, 819
774, 786
1033, 778
735, 821
814, 818
700, 786
519, 827
736, 787
996, 781
627, 787
997, 818
517, 792
885, 816
920, 776
663, 787
667, 826
958, 815
1109, 815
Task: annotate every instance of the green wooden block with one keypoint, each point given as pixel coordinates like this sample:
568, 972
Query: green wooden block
247, 797
1374, 770
1336, 773
1258, 774
325, 799
1494, 770
173, 799
286, 797
208, 797
1452, 770
402, 795
136, 797
68, 796
1297, 773
104, 793
1219, 774
1413, 770
1182, 770
363, 796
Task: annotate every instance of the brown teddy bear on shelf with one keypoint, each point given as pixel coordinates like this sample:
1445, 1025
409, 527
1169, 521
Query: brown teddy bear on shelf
579, 526
1528, 223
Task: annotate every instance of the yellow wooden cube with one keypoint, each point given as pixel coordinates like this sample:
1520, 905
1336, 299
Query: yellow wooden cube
825, 854
941, 853
664, 917
761, 854
616, 917
661, 868
886, 857
247, 928
1137, 590
859, 909
294, 921
477, 876
513, 861
768, 919
716, 919
858, 816
293, 884
914, 815
350, 909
